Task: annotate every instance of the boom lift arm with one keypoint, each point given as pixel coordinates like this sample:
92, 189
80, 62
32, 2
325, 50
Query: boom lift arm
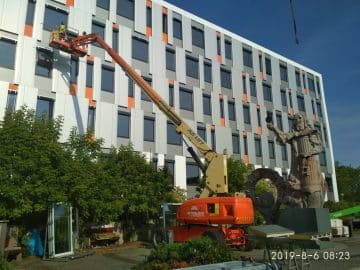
215, 171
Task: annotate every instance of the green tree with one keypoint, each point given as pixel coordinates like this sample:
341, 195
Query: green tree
348, 182
238, 172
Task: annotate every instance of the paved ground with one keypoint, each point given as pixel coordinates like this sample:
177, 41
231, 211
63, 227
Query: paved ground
127, 256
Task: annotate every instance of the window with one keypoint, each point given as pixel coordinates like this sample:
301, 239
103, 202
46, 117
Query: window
30, 12
228, 49
11, 102
53, 18
284, 155
283, 97
225, 76
313, 106
291, 123
268, 66
171, 95
192, 174
207, 72
283, 73
325, 136
319, 110
267, 92
297, 76
89, 74
303, 79
148, 17
143, 95
207, 104
271, 150
318, 86
269, 115
322, 157
258, 117
149, 129
279, 121
221, 108
290, 100
91, 118
244, 84
123, 127
235, 143
247, 57
246, 111
213, 140
260, 63
245, 145
218, 45
44, 108
186, 99
301, 104
197, 37
169, 165
192, 67
170, 59
311, 83
201, 131
7, 53
107, 79
125, 8
103, 4
253, 88
140, 50
172, 136
99, 29
258, 151
165, 23
231, 109
177, 29
130, 87
74, 70
115, 40
44, 63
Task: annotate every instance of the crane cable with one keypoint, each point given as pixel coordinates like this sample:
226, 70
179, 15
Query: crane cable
294, 21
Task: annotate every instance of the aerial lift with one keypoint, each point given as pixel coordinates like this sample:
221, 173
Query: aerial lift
214, 214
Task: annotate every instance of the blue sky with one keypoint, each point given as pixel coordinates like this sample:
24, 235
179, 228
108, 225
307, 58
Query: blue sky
329, 34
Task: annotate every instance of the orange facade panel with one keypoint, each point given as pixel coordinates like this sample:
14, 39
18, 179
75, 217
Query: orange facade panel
13, 87
222, 122
148, 31
165, 37
73, 89
131, 102
70, 3
28, 30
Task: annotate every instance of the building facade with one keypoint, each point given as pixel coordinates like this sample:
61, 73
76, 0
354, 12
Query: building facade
222, 84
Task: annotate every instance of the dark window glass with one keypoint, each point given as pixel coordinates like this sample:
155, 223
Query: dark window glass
123, 127
107, 79
192, 174
258, 117
115, 41
130, 87
172, 136
143, 95
171, 95
91, 118
225, 76
291, 123
279, 121
7, 53
231, 109
283, 73
284, 155
245, 145
218, 45
207, 72
149, 129
301, 104
236, 143
177, 29
140, 50
325, 136
213, 140
89, 74
170, 166
11, 102
44, 108
148, 17
53, 18
197, 37
271, 150
246, 110
186, 99
290, 100
267, 92
253, 88
201, 131
319, 110
247, 57
192, 67
165, 23
44, 63
313, 106
268, 66
30, 12
207, 104
125, 8
74, 70
260, 63
244, 84
303, 79
311, 83
318, 86
297, 76
99, 29
269, 115
170, 59
103, 4
258, 151
228, 49
317, 127
283, 98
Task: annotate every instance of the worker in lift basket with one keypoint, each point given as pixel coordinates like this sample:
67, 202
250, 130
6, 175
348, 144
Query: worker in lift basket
62, 31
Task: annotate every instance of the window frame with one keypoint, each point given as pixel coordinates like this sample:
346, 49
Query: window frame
135, 52
258, 148
170, 54
188, 106
267, 92
232, 110
246, 114
228, 49
177, 22
190, 63
208, 108
196, 33
7, 59
236, 137
120, 129
151, 123
271, 145
123, 12
225, 78
247, 57
39, 68
171, 127
207, 72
